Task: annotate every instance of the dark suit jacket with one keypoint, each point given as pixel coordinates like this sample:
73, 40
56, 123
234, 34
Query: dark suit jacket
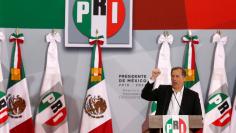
190, 104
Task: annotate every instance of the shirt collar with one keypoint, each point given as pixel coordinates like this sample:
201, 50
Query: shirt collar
180, 92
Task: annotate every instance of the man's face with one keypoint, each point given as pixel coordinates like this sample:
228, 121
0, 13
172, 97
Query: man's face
177, 79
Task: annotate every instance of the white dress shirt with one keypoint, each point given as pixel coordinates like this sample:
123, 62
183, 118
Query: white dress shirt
175, 102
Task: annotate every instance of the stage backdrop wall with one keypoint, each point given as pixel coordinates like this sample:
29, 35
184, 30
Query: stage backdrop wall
152, 14
126, 71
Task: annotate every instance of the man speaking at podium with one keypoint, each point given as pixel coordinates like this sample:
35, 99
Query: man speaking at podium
172, 99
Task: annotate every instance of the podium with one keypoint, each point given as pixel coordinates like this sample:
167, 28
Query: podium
156, 122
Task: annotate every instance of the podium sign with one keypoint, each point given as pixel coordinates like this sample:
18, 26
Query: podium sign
175, 124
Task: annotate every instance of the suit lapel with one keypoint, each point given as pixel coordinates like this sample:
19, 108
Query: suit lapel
168, 98
184, 99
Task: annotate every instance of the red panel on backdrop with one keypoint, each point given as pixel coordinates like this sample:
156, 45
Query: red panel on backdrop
184, 14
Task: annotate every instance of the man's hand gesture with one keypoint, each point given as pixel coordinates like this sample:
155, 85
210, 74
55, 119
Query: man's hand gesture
155, 73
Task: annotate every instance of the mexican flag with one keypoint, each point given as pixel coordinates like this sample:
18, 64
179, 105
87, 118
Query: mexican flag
164, 64
218, 109
233, 118
51, 114
20, 116
4, 128
96, 110
192, 79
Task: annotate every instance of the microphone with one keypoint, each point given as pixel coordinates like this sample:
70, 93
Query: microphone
181, 111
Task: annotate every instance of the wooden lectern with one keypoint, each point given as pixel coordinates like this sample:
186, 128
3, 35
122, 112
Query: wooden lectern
156, 122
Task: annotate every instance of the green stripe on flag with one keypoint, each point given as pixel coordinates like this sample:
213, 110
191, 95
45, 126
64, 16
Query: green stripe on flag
186, 57
22, 71
216, 97
91, 84
189, 84
2, 94
48, 100
93, 56
13, 55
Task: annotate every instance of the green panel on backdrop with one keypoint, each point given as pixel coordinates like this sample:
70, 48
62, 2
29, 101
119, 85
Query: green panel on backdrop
44, 14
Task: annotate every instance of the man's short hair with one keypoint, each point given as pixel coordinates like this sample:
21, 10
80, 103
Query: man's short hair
180, 68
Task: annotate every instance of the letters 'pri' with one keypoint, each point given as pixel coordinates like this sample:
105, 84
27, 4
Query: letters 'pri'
111, 18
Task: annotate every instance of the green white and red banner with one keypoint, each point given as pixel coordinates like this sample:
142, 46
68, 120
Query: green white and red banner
96, 116
192, 78
52, 113
20, 115
4, 125
218, 109
164, 64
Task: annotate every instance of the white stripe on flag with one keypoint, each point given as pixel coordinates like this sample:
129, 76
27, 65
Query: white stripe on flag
99, 22
219, 74
52, 72
21, 90
218, 80
96, 57
197, 88
190, 55
89, 123
5, 129
16, 56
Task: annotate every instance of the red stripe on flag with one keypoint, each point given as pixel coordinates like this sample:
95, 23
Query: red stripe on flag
57, 118
19, 56
100, 56
193, 57
4, 118
222, 121
104, 128
25, 127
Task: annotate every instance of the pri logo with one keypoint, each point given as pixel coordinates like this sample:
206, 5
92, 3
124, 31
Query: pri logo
95, 106
175, 125
111, 18
106, 16
220, 103
53, 104
3, 108
16, 105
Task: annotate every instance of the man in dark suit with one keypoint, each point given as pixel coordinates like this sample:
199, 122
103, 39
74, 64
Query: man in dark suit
172, 99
